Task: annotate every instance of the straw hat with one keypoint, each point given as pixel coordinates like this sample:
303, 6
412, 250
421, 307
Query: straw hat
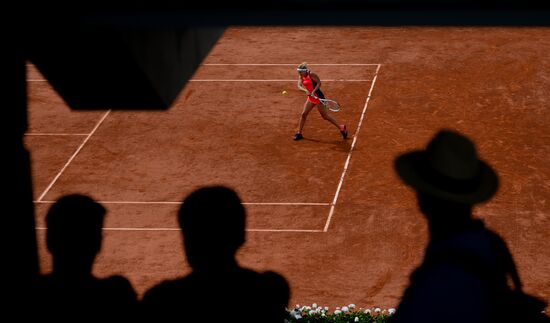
448, 169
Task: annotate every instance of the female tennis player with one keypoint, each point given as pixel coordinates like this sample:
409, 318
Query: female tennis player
310, 83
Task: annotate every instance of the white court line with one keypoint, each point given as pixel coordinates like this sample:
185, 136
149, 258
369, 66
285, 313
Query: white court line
128, 229
273, 80
73, 156
289, 203
178, 203
350, 152
178, 229
254, 80
37, 80
282, 230
285, 64
55, 134
275, 64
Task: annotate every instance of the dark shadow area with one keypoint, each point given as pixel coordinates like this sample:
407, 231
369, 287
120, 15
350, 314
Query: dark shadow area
71, 292
212, 221
468, 273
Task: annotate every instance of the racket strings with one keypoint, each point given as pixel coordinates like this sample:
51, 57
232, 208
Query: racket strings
331, 105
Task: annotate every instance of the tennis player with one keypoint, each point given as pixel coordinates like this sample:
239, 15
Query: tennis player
310, 83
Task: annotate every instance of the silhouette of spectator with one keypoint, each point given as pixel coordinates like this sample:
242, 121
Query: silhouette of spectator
71, 292
212, 220
467, 268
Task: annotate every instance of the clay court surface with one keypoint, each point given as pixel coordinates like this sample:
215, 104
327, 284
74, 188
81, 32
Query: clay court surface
328, 214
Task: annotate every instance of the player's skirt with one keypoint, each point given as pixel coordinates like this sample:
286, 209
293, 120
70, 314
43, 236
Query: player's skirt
313, 100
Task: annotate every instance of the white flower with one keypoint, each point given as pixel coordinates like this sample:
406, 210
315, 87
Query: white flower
367, 311
337, 312
326, 308
314, 305
356, 319
312, 312
297, 306
323, 315
377, 310
391, 311
351, 306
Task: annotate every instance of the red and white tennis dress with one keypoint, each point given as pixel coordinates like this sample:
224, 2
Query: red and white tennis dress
310, 84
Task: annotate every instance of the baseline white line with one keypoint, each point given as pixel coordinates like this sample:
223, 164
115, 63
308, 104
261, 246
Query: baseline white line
274, 80
177, 203
73, 156
331, 212
285, 64
119, 202
55, 134
37, 80
178, 229
289, 203
282, 230
253, 80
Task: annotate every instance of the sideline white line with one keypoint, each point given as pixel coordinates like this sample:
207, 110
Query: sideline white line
178, 203
331, 212
73, 156
178, 229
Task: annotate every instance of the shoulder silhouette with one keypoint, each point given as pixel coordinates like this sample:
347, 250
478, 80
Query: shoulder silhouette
468, 273
71, 292
212, 221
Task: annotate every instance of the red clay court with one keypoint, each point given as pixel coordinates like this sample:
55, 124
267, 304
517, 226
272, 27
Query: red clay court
328, 214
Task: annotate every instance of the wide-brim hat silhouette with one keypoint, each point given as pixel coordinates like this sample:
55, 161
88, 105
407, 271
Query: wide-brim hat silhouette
448, 169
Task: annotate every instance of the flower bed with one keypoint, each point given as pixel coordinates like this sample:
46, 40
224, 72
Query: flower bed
345, 314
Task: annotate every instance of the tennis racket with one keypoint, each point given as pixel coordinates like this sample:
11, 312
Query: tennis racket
330, 104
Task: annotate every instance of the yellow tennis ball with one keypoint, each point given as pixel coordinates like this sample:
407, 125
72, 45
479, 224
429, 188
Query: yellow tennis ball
285, 92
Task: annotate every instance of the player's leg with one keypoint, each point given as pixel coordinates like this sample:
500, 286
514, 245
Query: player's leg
307, 108
324, 113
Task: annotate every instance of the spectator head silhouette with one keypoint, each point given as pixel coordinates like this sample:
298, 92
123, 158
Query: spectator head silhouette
447, 175
74, 233
74, 239
212, 220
